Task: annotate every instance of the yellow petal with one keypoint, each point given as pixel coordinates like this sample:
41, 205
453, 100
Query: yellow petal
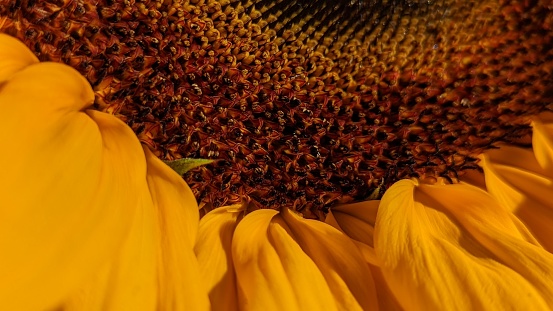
386, 299
542, 143
515, 186
521, 183
68, 187
515, 157
156, 268
129, 281
454, 247
132, 277
284, 254
273, 272
181, 286
14, 56
338, 258
357, 220
214, 252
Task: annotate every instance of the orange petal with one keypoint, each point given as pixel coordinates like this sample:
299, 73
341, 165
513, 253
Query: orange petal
357, 220
338, 258
542, 142
214, 251
156, 268
436, 242
181, 287
272, 271
520, 180
68, 187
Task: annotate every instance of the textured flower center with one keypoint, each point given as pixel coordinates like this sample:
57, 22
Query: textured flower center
306, 103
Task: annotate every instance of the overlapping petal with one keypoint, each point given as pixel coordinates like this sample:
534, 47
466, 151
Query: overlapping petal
338, 258
127, 279
453, 247
156, 269
87, 221
273, 273
214, 252
180, 285
357, 221
542, 141
65, 184
522, 180
280, 261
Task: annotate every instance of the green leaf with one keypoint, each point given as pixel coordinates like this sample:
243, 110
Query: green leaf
183, 165
375, 195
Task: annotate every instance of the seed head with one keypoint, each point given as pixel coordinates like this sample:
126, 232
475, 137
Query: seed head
305, 104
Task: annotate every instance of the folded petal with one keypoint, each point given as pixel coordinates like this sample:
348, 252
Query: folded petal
285, 262
156, 268
180, 285
214, 252
542, 142
338, 258
69, 187
273, 272
454, 247
522, 181
357, 221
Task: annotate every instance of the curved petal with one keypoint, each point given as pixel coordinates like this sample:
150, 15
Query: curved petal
129, 281
215, 256
357, 220
68, 187
436, 242
181, 287
542, 142
156, 268
272, 271
280, 261
338, 258
514, 186
521, 181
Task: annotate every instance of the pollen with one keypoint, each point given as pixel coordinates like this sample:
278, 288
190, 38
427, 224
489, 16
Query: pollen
305, 104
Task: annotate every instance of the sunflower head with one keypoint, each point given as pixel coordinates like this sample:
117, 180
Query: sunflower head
305, 104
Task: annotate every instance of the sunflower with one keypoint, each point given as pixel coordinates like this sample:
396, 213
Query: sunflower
303, 106
301, 125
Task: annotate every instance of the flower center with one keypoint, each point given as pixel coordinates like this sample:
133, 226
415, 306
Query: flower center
305, 104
